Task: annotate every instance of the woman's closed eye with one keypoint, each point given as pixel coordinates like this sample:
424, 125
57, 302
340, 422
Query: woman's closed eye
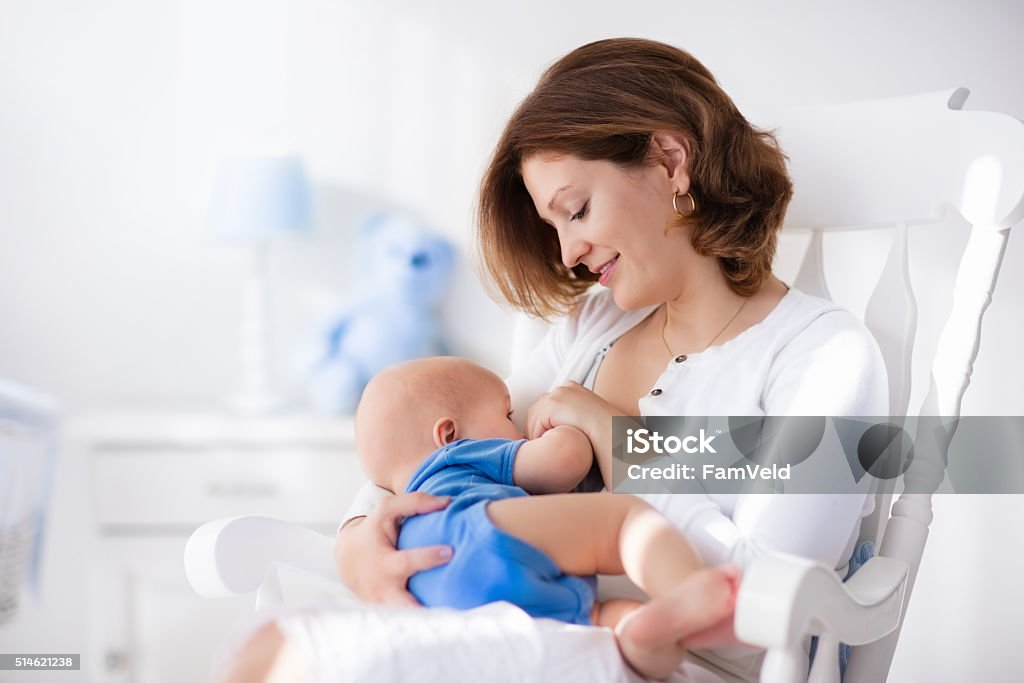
581, 213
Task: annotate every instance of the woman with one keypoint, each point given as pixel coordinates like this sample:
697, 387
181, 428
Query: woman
630, 168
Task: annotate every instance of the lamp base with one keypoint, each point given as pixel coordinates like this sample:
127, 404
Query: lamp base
254, 395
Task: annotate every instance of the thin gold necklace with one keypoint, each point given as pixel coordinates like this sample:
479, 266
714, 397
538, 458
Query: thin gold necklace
735, 315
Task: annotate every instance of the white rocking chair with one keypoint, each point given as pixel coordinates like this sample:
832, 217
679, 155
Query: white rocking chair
890, 162
895, 162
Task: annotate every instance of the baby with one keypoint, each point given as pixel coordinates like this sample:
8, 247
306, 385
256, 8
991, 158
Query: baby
443, 425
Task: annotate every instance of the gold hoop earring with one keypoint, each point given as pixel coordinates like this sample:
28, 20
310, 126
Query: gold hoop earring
693, 204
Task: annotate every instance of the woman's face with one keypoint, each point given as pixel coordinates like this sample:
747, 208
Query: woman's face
614, 221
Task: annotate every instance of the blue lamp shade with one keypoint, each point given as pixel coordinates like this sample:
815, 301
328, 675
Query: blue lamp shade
259, 198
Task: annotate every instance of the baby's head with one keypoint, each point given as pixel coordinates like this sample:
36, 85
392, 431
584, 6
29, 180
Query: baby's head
411, 409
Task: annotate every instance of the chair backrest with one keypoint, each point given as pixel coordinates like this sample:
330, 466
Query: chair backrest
900, 162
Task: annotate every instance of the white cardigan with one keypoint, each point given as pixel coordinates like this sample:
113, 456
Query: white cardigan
807, 357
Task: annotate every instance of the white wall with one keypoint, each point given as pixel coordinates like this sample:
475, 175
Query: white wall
113, 113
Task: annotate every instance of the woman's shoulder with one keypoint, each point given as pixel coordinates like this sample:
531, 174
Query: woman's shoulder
812, 319
822, 345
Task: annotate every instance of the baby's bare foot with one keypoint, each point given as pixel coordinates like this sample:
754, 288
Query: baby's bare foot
701, 601
650, 636
722, 633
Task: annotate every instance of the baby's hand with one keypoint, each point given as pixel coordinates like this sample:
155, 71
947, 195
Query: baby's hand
556, 462
569, 404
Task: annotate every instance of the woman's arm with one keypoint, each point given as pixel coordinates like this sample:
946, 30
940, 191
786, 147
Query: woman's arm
833, 368
815, 526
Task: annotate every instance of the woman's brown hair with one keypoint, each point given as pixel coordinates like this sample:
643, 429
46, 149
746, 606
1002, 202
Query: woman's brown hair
605, 101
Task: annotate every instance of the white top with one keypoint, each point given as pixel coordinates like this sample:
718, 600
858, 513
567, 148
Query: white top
807, 357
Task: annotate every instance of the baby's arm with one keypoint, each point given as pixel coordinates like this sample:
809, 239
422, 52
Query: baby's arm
554, 462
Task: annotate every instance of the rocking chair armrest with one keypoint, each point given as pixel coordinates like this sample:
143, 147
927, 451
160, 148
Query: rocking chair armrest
784, 598
233, 556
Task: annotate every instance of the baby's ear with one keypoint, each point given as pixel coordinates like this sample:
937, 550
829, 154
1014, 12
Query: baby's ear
445, 432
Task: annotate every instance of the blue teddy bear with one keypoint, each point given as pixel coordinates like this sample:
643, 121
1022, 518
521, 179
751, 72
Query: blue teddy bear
406, 271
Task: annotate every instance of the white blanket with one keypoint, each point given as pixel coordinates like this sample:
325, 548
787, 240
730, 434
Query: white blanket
342, 639
497, 642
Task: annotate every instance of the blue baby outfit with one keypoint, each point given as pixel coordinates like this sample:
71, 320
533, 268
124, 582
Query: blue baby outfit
488, 564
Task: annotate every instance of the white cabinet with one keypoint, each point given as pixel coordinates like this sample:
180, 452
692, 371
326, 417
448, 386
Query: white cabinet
155, 478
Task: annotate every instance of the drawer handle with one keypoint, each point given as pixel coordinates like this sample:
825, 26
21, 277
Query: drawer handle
242, 489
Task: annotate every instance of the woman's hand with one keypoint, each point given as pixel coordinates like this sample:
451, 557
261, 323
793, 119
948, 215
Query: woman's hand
570, 404
365, 554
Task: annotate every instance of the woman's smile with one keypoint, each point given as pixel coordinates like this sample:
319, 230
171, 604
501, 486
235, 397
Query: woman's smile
606, 271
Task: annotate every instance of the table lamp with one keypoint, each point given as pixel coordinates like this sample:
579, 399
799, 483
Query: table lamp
257, 199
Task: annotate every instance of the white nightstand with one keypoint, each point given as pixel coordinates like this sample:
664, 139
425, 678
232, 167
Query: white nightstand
158, 477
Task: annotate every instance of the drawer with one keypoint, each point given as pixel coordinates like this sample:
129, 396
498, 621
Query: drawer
188, 486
